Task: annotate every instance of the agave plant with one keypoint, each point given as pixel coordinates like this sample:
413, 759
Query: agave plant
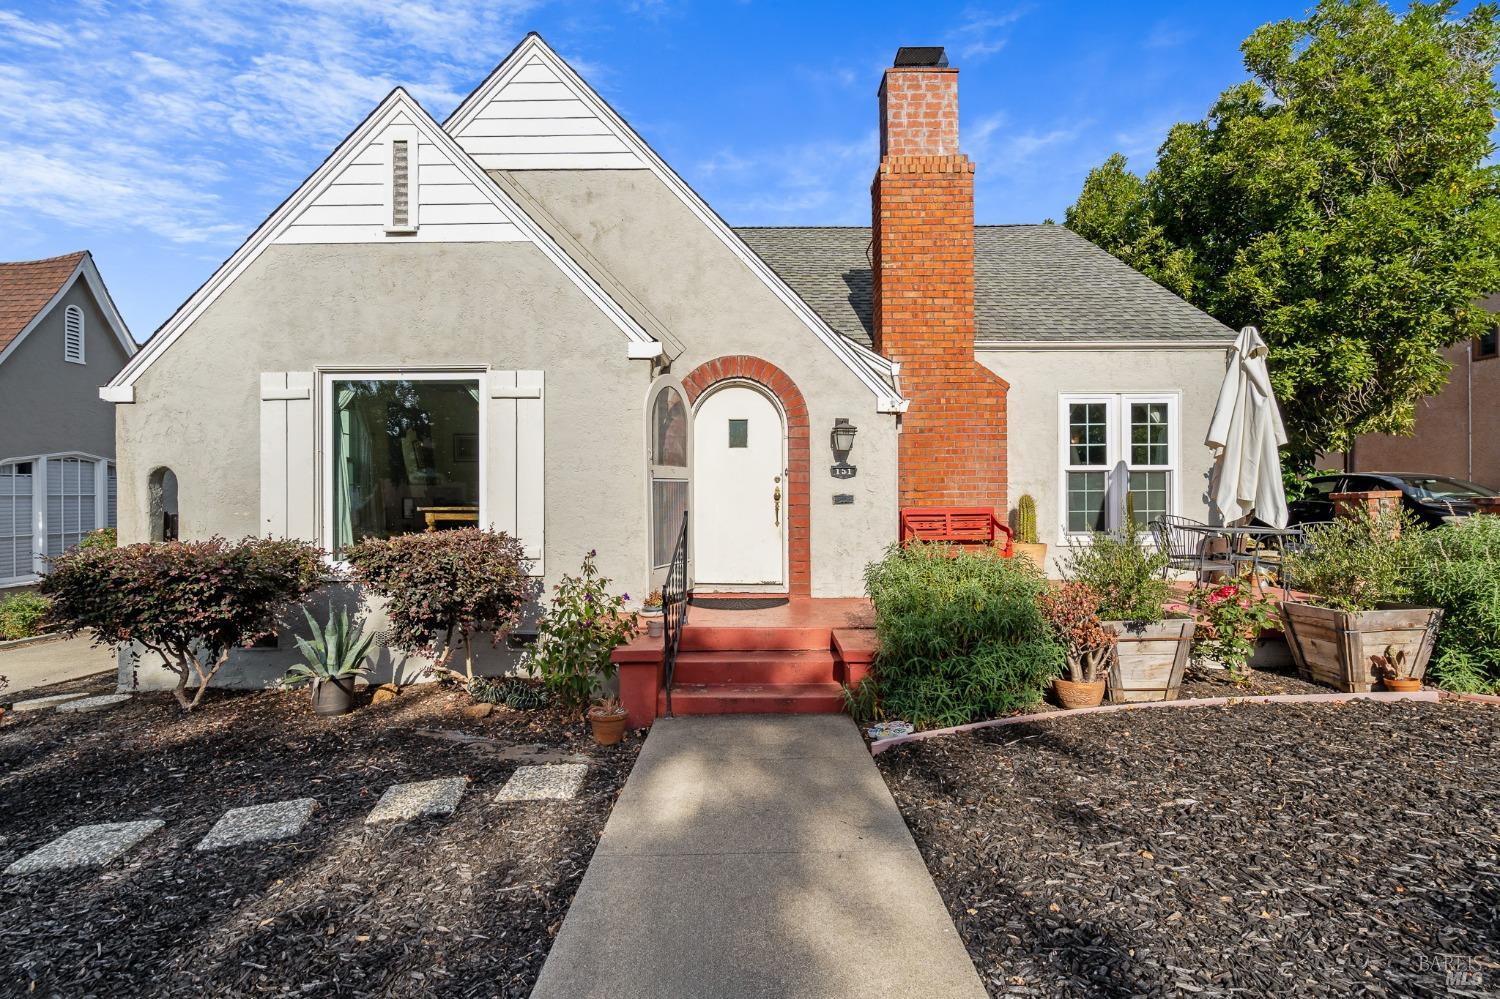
333, 653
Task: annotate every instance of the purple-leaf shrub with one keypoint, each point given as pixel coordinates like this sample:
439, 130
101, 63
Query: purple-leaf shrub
190, 602
444, 587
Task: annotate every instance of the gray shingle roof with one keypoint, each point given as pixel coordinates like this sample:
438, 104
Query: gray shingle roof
1032, 282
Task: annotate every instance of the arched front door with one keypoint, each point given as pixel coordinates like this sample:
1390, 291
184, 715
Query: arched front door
739, 490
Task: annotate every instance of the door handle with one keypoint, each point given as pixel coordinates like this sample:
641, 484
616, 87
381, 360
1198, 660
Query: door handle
776, 500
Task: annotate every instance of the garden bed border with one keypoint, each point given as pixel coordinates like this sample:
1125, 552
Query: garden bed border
881, 745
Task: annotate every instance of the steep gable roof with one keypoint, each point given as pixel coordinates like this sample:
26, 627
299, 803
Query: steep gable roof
534, 84
29, 289
1032, 283
314, 214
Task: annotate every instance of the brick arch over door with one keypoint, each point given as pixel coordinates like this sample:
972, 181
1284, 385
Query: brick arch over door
799, 474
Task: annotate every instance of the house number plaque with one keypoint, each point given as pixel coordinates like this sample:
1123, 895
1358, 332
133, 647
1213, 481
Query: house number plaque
843, 470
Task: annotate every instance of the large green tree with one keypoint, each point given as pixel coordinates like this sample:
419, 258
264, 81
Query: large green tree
1340, 200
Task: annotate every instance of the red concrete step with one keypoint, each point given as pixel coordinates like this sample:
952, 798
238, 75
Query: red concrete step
773, 666
752, 698
730, 638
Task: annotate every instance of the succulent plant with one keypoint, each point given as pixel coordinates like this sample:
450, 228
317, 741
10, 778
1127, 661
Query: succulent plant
1026, 520
333, 653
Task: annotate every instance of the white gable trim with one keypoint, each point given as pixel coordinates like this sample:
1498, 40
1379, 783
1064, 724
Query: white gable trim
397, 108
90, 275
869, 367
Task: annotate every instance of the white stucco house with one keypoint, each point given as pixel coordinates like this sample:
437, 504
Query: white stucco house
60, 339
523, 317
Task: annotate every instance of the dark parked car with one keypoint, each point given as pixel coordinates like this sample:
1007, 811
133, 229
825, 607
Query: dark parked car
1431, 499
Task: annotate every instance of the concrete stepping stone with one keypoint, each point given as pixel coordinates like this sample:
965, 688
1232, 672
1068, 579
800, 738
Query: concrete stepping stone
259, 824
422, 798
557, 782
86, 846
50, 701
101, 702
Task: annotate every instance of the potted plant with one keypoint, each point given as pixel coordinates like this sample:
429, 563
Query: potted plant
584, 623
1391, 668
1357, 575
334, 659
1129, 579
1025, 544
653, 604
1071, 611
1231, 615
607, 716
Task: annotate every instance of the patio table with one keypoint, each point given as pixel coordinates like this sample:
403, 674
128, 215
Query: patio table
1250, 545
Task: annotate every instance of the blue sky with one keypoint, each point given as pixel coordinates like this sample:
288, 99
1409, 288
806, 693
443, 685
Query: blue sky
159, 134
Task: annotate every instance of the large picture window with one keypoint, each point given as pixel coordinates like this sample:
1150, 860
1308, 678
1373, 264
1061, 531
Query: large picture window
1119, 453
406, 456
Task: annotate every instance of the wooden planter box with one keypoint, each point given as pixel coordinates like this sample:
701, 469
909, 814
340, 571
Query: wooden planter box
1149, 659
1333, 647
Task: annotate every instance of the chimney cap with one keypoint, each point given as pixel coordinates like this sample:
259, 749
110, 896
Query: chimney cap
921, 55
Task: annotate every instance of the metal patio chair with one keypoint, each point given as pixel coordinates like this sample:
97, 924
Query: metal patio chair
1189, 546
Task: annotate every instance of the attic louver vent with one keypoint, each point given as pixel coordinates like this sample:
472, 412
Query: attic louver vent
400, 185
73, 334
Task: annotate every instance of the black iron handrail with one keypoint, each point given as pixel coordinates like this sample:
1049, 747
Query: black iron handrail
674, 606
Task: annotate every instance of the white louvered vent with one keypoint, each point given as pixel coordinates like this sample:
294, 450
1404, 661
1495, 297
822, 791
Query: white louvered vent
73, 334
400, 184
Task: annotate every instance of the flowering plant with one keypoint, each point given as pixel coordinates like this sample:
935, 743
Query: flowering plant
1230, 616
583, 625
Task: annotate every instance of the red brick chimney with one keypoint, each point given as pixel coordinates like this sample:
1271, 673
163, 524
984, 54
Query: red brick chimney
953, 435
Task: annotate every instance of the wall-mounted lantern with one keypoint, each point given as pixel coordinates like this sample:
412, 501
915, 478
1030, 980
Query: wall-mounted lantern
841, 438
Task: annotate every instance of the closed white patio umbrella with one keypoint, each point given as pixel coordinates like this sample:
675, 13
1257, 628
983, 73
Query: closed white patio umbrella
1246, 432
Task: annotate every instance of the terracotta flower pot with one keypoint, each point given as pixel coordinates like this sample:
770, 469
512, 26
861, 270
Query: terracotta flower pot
1403, 684
1036, 551
608, 729
1071, 694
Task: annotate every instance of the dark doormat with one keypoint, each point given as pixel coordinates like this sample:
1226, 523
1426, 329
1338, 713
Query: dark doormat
738, 603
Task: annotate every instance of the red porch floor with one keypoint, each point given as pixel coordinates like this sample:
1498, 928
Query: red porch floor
791, 658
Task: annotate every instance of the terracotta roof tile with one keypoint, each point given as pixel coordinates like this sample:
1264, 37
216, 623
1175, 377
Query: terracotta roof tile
26, 286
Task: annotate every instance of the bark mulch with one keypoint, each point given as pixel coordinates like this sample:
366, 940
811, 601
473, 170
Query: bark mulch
462, 906
1249, 850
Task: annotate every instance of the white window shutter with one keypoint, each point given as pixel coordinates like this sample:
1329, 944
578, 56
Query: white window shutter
515, 464
288, 463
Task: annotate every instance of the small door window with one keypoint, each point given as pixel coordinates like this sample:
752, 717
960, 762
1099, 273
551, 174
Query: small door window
739, 433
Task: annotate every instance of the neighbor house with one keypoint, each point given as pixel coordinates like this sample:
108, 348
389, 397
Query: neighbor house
1457, 431
60, 339
523, 318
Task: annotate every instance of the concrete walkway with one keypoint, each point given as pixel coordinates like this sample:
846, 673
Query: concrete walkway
45, 663
757, 856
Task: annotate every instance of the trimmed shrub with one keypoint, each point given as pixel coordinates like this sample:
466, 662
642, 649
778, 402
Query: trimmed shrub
444, 588
1359, 563
962, 637
104, 537
583, 625
1128, 577
1459, 571
191, 602
23, 615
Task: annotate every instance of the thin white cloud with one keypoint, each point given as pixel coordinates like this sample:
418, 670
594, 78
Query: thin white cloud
821, 183
171, 117
984, 32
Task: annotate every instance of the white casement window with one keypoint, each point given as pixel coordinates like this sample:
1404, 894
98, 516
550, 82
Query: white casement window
17, 546
402, 161
1114, 447
404, 452
72, 502
73, 335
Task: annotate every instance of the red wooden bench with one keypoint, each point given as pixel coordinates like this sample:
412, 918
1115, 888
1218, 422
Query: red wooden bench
969, 526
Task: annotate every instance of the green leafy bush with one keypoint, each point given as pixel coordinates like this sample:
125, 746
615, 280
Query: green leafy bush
961, 635
582, 626
514, 693
445, 587
1230, 616
1358, 563
22, 615
1459, 571
104, 537
1128, 576
191, 603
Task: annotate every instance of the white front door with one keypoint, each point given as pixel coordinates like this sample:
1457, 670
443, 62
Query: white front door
739, 490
